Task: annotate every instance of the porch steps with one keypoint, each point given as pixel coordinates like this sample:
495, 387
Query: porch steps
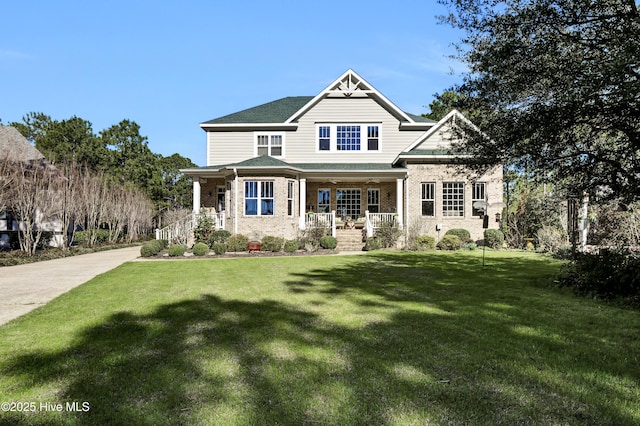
349, 239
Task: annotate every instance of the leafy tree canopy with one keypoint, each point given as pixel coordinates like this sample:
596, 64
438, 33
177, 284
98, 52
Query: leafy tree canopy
558, 84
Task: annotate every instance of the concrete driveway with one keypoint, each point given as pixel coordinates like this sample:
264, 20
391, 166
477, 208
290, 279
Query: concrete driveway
26, 287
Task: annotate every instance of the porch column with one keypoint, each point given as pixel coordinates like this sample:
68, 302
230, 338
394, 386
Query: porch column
303, 202
399, 198
196, 195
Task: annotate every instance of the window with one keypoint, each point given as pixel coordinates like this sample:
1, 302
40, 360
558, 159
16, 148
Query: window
428, 199
348, 138
269, 144
258, 198
453, 199
348, 202
324, 138
372, 138
373, 200
341, 137
478, 195
324, 200
291, 185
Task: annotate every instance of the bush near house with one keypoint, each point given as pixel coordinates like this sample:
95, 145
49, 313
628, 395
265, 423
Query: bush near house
200, 249
493, 238
450, 242
290, 246
153, 247
388, 234
424, 243
461, 233
220, 248
273, 244
372, 243
177, 250
237, 242
328, 242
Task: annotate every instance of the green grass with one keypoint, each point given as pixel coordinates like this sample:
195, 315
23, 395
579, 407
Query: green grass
384, 338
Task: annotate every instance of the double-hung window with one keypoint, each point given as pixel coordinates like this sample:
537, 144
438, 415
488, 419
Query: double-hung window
291, 185
258, 198
271, 144
478, 195
453, 199
324, 138
324, 200
428, 199
373, 200
372, 138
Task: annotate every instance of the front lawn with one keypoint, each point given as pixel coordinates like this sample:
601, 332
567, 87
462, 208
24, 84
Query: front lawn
383, 338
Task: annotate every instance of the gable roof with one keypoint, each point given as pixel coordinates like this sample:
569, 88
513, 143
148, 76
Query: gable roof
285, 112
272, 112
16, 147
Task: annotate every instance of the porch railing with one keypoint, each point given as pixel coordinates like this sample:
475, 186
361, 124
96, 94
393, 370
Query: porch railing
377, 220
181, 231
321, 220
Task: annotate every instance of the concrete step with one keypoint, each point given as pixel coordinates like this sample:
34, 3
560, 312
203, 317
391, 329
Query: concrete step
349, 239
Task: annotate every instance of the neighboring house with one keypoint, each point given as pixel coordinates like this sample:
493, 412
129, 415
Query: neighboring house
347, 157
17, 149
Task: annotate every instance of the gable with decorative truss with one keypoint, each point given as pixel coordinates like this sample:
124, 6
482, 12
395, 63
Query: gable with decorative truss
351, 85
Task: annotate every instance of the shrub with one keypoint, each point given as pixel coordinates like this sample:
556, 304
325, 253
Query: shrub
273, 244
237, 242
153, 247
290, 246
493, 238
328, 242
200, 249
461, 233
469, 246
550, 238
220, 248
608, 275
388, 234
83, 238
424, 242
372, 243
177, 250
219, 236
204, 230
449, 242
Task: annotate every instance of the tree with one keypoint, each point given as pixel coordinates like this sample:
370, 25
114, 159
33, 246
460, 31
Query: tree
443, 104
558, 82
177, 187
131, 159
65, 141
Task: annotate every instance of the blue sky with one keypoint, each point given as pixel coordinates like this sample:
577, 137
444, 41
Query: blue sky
171, 65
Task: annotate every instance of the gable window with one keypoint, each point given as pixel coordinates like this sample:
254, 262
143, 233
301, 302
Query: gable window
478, 195
373, 200
372, 138
428, 199
348, 138
324, 138
290, 197
258, 198
271, 144
324, 200
453, 199
348, 202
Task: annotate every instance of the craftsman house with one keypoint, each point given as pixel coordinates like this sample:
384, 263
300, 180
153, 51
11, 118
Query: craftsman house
343, 159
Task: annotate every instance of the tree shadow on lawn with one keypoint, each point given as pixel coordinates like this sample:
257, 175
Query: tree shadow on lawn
211, 360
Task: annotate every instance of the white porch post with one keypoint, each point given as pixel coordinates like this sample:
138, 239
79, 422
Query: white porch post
399, 198
196, 195
303, 202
